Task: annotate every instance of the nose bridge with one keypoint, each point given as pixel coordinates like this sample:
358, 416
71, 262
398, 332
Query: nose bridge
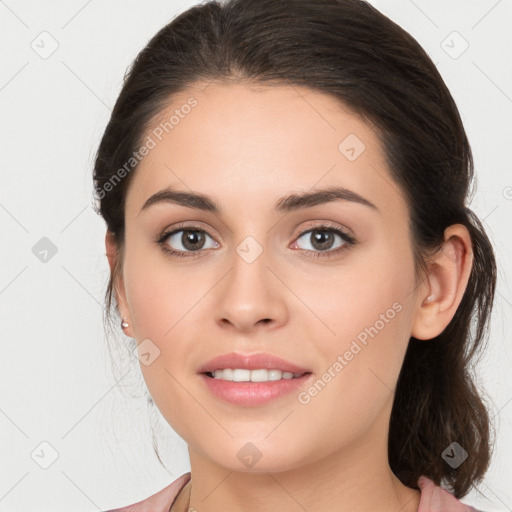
250, 291
249, 274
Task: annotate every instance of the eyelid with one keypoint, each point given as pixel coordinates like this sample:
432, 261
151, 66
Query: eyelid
326, 224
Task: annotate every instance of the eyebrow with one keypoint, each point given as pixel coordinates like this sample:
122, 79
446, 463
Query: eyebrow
284, 204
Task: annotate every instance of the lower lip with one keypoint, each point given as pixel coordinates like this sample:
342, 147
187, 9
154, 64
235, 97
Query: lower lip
253, 393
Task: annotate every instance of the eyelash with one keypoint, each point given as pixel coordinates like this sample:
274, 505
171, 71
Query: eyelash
349, 241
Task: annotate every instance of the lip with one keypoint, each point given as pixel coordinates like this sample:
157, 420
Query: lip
250, 362
250, 394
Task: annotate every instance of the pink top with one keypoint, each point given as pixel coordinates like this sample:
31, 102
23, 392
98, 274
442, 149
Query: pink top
433, 498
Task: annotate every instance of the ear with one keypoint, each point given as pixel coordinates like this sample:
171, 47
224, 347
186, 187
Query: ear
118, 283
446, 283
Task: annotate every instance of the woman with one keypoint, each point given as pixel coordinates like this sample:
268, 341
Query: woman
285, 189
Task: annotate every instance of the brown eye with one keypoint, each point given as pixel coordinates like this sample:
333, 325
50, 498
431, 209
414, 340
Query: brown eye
322, 239
182, 241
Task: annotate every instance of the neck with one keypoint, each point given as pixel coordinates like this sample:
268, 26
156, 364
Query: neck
354, 479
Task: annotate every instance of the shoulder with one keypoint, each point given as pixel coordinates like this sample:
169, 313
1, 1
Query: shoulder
159, 502
436, 499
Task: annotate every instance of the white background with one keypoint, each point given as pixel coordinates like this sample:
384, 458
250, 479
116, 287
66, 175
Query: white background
57, 385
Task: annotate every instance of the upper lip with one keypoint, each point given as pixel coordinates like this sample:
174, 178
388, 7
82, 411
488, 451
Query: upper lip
250, 362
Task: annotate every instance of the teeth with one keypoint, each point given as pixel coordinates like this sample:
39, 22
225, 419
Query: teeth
243, 375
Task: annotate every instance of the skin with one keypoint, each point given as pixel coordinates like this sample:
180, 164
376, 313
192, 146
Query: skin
246, 146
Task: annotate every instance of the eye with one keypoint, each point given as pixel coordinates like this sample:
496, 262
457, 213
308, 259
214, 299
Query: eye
322, 238
189, 241
183, 241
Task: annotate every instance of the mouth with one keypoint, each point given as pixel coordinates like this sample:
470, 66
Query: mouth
252, 379
258, 375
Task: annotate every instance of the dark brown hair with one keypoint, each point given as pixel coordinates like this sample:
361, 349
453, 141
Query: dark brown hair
350, 51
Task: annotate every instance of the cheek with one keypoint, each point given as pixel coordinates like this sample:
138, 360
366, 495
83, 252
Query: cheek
371, 318
158, 294
366, 298
167, 307
362, 364
161, 307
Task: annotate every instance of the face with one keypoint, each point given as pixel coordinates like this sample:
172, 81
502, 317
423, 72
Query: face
327, 285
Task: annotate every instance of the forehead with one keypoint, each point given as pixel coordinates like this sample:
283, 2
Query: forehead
247, 145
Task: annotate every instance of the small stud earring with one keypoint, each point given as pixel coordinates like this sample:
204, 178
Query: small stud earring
124, 324
430, 298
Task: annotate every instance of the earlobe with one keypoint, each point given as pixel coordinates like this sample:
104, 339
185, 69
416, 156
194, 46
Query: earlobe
447, 280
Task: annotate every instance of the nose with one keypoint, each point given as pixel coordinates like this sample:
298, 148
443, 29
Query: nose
251, 296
